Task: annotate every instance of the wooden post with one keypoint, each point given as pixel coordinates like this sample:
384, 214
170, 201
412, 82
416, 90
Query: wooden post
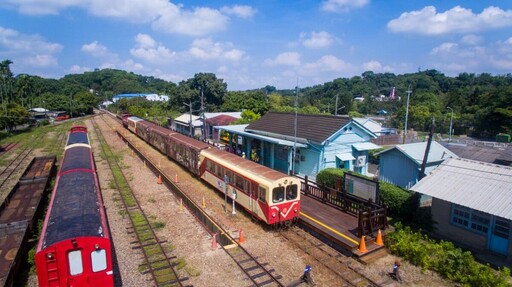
306, 186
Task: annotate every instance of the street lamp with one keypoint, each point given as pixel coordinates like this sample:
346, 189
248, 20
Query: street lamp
451, 120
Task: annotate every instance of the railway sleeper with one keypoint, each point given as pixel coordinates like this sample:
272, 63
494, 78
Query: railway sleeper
259, 275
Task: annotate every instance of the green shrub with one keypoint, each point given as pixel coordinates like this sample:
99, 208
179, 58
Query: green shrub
444, 258
327, 177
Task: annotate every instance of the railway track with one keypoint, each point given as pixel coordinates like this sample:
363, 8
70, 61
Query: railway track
259, 274
13, 165
17, 213
158, 262
331, 259
8, 147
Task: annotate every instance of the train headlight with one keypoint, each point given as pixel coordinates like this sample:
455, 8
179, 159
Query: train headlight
273, 214
50, 255
97, 246
295, 210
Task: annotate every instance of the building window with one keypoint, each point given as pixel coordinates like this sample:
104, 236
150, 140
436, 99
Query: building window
471, 219
460, 215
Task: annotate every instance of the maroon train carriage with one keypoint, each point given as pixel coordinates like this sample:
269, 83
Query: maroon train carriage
269, 195
74, 248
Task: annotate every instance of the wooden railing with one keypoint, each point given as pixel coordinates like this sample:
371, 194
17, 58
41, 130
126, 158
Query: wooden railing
371, 216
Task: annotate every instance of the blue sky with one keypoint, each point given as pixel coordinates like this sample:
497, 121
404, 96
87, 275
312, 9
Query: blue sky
251, 44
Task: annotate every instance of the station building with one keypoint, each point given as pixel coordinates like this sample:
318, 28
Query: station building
303, 144
471, 203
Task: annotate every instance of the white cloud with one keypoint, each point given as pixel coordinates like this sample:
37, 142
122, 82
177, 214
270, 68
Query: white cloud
34, 44
444, 48
30, 50
428, 21
316, 40
471, 39
343, 5
198, 22
76, 69
95, 49
242, 11
284, 59
327, 63
150, 51
41, 61
162, 14
206, 49
373, 65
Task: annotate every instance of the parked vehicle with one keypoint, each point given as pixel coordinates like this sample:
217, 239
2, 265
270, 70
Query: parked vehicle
74, 248
267, 194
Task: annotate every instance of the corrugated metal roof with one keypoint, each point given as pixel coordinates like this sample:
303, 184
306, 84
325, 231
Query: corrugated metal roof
478, 185
345, 156
185, 118
415, 151
365, 146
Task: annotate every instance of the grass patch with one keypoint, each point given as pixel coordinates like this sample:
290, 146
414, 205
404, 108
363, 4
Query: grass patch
192, 271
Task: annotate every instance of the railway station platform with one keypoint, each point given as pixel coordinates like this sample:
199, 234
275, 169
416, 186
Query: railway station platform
336, 227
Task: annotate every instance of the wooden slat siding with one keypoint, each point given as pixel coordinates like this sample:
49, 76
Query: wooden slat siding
371, 216
387, 140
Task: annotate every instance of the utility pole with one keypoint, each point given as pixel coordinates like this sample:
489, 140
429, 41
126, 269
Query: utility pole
407, 111
190, 113
295, 127
202, 113
427, 149
336, 107
451, 120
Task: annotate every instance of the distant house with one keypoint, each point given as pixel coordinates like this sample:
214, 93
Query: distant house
490, 154
149, 97
319, 142
401, 164
186, 123
471, 204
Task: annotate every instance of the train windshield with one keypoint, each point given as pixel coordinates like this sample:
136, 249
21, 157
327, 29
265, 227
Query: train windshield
278, 194
291, 192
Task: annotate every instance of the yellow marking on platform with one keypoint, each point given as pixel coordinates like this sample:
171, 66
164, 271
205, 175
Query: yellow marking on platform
329, 228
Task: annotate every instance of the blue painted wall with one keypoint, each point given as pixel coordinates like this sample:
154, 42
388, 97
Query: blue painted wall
396, 168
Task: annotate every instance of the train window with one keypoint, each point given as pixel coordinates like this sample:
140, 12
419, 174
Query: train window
247, 185
239, 182
219, 171
230, 176
278, 194
99, 260
291, 192
262, 196
209, 165
75, 262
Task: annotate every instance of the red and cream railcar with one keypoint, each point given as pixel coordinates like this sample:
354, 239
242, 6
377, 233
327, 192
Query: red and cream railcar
74, 248
269, 195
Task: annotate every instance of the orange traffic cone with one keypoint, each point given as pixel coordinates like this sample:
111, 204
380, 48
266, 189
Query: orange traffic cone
241, 238
362, 245
204, 202
181, 204
176, 178
378, 240
159, 181
214, 241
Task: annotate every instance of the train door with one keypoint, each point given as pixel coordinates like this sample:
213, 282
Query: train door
253, 198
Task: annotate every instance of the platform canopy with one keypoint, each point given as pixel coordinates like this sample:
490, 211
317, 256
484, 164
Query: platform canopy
240, 130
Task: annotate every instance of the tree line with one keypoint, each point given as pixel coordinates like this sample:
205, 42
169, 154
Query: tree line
478, 104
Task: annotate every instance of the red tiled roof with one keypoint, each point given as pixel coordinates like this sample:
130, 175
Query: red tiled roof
221, 120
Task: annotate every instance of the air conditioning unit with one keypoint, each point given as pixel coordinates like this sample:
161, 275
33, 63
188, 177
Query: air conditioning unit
361, 161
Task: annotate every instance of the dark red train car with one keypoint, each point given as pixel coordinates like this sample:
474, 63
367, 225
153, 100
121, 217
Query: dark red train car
74, 248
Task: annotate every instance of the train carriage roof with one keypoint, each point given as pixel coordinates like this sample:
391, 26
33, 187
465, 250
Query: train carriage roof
77, 157
238, 163
77, 137
75, 211
198, 145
